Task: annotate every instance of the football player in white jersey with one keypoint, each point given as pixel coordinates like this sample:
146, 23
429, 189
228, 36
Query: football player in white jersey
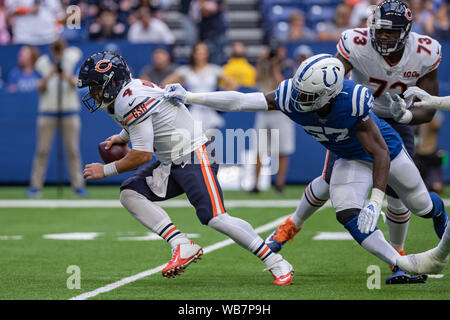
155, 126
386, 58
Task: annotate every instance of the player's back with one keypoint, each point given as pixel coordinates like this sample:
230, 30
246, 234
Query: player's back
175, 133
421, 55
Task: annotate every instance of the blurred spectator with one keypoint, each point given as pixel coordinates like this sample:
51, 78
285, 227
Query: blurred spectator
190, 33
24, 78
107, 27
297, 30
331, 30
212, 26
423, 17
202, 76
360, 12
149, 29
238, 68
268, 75
59, 107
5, 38
442, 21
301, 53
428, 157
35, 22
160, 68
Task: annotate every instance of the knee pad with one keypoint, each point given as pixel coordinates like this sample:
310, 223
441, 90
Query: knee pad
345, 216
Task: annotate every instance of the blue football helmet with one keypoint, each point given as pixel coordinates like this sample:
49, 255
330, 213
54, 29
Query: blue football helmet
105, 73
390, 15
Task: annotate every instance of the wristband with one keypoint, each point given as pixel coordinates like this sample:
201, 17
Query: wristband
110, 169
377, 196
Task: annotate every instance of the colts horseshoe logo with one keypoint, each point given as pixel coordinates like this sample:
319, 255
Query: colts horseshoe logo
104, 69
325, 77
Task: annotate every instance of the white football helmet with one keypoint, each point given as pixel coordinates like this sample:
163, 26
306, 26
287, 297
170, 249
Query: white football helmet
317, 80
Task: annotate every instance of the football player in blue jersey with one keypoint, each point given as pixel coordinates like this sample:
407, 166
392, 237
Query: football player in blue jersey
337, 113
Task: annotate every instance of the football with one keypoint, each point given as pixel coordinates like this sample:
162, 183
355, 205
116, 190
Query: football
116, 152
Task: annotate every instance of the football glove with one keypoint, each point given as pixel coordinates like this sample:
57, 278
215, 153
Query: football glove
368, 217
175, 93
427, 99
398, 109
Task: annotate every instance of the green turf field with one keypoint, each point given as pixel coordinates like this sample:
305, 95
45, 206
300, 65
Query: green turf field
34, 267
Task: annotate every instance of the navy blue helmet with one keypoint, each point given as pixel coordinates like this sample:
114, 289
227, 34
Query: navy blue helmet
105, 73
390, 15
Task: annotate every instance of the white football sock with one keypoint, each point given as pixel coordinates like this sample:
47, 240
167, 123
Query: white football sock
378, 246
314, 197
443, 248
397, 218
242, 233
152, 216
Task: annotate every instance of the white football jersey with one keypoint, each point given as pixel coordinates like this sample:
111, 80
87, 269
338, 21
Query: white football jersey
172, 131
422, 55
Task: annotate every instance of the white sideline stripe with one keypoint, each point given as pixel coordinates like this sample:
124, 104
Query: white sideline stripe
288, 203
127, 280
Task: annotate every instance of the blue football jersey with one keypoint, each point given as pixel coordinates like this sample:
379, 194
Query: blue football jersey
337, 130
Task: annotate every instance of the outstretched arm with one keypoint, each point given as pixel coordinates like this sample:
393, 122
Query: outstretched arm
427, 101
373, 143
222, 100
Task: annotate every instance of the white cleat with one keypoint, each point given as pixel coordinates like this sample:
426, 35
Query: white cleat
427, 262
282, 271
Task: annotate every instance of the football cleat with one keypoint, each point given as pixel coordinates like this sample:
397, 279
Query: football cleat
401, 277
285, 232
425, 262
33, 192
184, 255
282, 271
440, 223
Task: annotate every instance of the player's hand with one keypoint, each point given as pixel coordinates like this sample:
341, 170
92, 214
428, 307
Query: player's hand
115, 139
368, 217
398, 109
93, 171
175, 93
427, 99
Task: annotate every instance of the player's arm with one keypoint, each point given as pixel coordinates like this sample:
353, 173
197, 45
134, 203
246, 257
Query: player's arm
373, 143
141, 136
222, 100
347, 65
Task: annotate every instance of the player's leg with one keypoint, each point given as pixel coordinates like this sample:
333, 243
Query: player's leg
46, 127
71, 126
397, 213
315, 196
202, 188
349, 187
286, 146
138, 199
405, 179
261, 147
432, 261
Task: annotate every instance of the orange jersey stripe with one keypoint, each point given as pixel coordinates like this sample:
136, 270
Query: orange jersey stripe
205, 178
346, 56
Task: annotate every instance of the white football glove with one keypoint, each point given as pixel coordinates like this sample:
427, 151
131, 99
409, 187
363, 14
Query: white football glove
175, 93
368, 217
427, 99
398, 109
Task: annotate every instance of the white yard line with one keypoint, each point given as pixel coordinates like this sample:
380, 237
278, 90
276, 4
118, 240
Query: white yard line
206, 250
287, 203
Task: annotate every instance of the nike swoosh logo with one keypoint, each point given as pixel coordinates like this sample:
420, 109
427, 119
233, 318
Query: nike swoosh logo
132, 102
344, 37
284, 278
